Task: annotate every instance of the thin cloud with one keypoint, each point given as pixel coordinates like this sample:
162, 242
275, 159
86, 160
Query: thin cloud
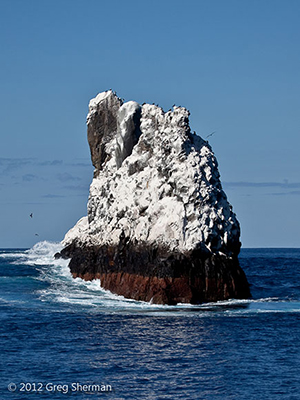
13, 164
81, 164
52, 196
66, 177
16, 161
29, 177
50, 163
82, 187
290, 193
283, 185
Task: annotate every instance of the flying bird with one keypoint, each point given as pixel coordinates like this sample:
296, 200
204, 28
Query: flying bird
210, 134
31, 215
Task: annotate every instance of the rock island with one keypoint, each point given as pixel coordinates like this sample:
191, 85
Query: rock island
159, 227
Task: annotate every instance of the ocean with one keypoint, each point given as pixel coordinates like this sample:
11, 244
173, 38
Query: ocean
63, 337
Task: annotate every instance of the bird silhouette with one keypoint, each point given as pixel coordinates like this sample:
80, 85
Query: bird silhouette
31, 215
210, 134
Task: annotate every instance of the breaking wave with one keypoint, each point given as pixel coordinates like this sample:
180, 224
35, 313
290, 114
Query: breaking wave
60, 287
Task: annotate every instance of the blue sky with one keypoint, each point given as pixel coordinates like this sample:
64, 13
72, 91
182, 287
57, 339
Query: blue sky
234, 64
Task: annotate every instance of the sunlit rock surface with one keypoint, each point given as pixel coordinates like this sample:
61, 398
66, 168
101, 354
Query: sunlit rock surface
159, 226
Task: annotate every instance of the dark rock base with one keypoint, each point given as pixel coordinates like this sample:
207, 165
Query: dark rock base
154, 274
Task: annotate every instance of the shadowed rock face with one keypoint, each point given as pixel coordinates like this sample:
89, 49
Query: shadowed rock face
159, 227
128, 130
102, 128
152, 274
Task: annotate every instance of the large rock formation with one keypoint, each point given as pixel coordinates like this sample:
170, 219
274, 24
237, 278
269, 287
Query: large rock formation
159, 227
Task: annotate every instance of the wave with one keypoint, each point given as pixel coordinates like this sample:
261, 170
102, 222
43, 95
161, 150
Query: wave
62, 289
42, 253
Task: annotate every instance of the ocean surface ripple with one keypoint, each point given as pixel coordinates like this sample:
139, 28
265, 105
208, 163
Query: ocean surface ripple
60, 331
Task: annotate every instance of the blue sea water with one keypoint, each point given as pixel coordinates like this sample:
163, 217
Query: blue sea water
63, 337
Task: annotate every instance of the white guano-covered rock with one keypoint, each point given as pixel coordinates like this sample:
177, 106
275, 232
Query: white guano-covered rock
155, 183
